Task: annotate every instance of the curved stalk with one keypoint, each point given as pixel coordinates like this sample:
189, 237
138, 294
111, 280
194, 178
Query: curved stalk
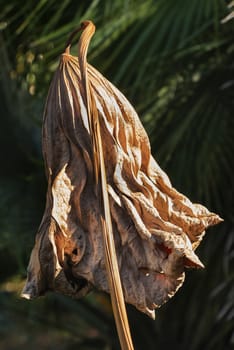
111, 262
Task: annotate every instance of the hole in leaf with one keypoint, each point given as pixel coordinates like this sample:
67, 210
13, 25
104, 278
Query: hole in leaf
75, 251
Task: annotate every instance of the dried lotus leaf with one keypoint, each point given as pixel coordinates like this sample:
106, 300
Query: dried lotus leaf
156, 229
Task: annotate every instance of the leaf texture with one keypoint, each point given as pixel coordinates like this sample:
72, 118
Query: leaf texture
156, 229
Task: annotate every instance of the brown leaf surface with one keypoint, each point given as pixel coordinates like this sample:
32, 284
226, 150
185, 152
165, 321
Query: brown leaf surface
156, 229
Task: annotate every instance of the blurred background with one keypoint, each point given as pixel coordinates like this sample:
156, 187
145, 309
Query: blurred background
174, 60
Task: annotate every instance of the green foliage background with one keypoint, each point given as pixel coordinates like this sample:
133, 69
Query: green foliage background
174, 60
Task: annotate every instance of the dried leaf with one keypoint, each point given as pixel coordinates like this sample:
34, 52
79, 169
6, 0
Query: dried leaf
156, 229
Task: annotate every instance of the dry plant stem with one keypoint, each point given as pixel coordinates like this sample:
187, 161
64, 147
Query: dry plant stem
116, 291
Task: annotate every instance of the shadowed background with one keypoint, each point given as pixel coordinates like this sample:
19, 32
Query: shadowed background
174, 61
